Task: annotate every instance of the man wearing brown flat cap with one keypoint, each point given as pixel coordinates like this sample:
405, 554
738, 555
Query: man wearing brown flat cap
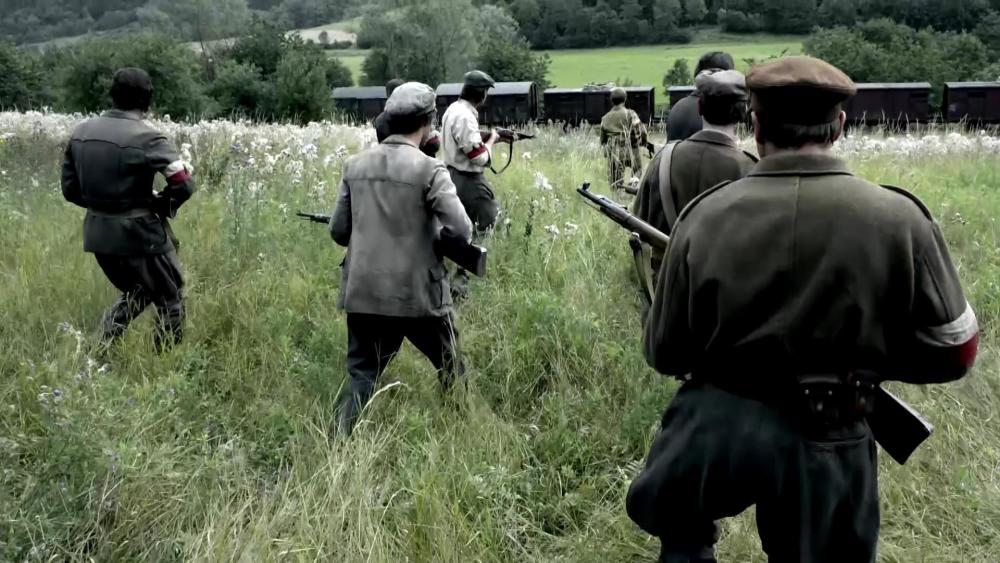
785, 299
684, 170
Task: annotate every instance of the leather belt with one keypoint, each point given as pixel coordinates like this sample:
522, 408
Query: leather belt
127, 214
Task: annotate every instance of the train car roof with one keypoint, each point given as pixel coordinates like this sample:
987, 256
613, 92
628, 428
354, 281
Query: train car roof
499, 89
960, 85
643, 89
361, 93
894, 85
563, 90
681, 89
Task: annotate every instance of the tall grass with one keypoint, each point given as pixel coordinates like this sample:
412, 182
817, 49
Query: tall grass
217, 451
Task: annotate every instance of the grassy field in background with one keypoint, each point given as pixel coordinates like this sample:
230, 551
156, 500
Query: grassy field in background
217, 451
644, 65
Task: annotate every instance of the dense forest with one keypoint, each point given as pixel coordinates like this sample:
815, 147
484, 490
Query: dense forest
545, 24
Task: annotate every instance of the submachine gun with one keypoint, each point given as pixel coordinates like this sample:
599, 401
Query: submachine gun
469, 257
895, 425
509, 137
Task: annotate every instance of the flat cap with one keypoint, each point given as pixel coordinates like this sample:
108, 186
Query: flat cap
799, 90
478, 79
412, 98
721, 83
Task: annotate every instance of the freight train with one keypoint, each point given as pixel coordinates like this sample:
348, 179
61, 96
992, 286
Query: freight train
518, 103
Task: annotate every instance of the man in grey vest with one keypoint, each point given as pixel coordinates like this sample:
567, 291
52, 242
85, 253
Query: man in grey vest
109, 169
394, 203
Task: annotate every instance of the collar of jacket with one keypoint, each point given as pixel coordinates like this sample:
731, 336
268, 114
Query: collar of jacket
713, 137
120, 114
791, 164
398, 140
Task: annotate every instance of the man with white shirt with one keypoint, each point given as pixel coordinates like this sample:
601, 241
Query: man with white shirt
467, 154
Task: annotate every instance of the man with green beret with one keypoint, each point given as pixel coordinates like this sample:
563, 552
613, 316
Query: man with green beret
684, 170
394, 203
622, 133
110, 167
785, 298
467, 154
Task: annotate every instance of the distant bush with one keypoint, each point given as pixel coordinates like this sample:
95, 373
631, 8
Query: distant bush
84, 75
679, 75
239, 90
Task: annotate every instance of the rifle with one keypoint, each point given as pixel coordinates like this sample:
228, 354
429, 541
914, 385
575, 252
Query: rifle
896, 426
508, 136
467, 256
621, 215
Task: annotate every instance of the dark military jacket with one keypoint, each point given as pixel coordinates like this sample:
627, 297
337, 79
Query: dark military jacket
684, 119
109, 168
697, 164
803, 268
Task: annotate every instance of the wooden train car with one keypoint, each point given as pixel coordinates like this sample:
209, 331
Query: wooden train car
973, 102
894, 103
588, 105
678, 93
508, 103
363, 104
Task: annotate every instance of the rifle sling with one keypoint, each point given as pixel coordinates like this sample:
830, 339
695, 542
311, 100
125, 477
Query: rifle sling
670, 210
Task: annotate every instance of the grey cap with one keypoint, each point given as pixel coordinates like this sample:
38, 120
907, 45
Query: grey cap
721, 83
478, 79
412, 98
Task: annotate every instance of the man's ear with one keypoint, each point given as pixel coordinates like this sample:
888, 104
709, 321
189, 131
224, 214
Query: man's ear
842, 118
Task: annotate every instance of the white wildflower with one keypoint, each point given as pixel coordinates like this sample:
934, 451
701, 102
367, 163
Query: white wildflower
526, 156
552, 230
571, 228
542, 183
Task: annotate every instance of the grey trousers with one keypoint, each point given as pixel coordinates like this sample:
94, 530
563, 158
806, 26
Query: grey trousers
145, 280
477, 197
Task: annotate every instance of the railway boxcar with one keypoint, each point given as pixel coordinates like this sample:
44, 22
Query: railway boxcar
579, 105
508, 103
975, 102
678, 93
895, 103
364, 103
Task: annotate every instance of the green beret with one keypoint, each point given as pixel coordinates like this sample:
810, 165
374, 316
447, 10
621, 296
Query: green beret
478, 79
412, 98
618, 95
799, 90
721, 83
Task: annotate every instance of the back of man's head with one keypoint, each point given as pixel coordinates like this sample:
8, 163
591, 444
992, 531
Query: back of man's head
392, 85
131, 90
715, 59
618, 96
723, 97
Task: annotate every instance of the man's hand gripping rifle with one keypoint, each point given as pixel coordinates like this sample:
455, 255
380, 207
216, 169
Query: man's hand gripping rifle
510, 137
469, 257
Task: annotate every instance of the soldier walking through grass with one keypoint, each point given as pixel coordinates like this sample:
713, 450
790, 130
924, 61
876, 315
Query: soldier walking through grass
110, 165
786, 298
622, 133
394, 203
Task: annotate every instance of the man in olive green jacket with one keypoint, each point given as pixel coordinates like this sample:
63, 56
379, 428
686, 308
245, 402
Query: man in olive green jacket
110, 165
394, 203
785, 296
622, 133
683, 170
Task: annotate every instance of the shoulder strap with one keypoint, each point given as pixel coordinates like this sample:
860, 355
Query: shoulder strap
670, 210
752, 156
911, 197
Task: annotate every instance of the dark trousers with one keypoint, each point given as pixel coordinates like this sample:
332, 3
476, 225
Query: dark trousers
145, 280
374, 340
477, 197
815, 489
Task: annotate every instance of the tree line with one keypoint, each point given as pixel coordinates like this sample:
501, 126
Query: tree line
264, 75
34, 21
